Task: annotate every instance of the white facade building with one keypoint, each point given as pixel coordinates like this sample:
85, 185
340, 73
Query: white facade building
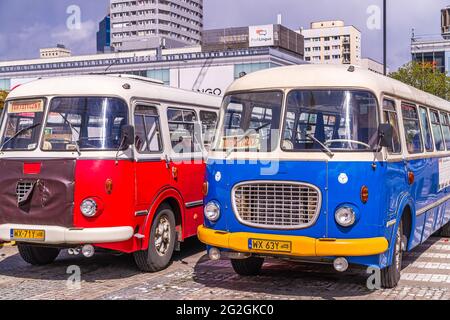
372, 65
58, 52
148, 24
187, 68
331, 42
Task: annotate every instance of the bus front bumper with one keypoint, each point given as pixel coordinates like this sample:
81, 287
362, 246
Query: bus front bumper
300, 246
59, 235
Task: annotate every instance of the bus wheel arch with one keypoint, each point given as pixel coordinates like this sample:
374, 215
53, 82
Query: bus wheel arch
401, 235
407, 223
170, 198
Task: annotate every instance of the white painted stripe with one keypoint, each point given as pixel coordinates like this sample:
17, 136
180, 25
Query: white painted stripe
428, 255
434, 278
430, 265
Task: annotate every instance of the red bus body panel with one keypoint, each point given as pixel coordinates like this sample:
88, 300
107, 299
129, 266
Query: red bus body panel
137, 187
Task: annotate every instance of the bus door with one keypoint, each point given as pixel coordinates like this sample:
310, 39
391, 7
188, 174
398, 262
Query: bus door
417, 170
187, 163
152, 173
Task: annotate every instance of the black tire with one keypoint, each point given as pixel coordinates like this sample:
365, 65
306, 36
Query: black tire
247, 267
445, 231
152, 259
390, 276
37, 256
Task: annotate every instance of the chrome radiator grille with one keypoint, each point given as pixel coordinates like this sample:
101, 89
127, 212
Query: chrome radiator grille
279, 205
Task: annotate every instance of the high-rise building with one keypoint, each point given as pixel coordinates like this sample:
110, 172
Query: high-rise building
332, 42
104, 35
434, 49
148, 24
445, 22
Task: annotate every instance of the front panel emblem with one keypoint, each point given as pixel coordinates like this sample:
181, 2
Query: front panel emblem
343, 178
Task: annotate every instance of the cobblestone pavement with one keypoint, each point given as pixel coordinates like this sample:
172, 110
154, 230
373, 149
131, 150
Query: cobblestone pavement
426, 275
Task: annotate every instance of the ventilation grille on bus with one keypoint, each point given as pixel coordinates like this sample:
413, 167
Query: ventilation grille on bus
23, 190
276, 205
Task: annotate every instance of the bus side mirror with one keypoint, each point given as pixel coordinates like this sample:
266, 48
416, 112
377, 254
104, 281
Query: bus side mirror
127, 133
385, 132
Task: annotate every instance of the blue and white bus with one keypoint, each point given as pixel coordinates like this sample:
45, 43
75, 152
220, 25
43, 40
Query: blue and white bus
331, 163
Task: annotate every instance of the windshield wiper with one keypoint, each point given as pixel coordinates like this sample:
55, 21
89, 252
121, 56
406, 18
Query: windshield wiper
18, 133
72, 128
325, 148
229, 151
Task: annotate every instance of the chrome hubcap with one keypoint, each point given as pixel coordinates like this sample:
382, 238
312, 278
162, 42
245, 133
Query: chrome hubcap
162, 236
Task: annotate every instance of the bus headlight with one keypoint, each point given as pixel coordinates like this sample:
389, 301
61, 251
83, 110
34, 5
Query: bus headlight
212, 211
345, 216
89, 208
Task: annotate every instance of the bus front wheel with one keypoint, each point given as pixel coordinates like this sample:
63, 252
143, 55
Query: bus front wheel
162, 242
247, 267
390, 276
37, 256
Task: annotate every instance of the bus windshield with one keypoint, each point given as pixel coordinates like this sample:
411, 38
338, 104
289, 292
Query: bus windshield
251, 122
340, 120
84, 123
23, 124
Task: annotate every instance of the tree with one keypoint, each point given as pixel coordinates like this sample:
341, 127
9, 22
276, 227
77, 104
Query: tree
424, 76
3, 95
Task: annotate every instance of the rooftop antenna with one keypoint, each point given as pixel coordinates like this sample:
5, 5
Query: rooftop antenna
279, 18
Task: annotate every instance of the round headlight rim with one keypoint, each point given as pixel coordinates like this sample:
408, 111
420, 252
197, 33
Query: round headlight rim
216, 204
351, 222
95, 206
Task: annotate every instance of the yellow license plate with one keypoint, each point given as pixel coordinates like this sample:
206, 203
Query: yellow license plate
270, 245
24, 234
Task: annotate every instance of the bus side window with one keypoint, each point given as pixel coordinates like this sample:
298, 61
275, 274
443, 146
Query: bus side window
390, 116
147, 130
445, 123
426, 129
184, 135
209, 122
437, 131
413, 133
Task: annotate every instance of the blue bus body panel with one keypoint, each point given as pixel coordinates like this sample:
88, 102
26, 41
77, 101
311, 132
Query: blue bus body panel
340, 184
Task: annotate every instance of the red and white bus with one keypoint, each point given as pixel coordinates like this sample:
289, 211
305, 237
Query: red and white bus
110, 162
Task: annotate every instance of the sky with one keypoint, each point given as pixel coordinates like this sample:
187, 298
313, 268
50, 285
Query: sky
27, 25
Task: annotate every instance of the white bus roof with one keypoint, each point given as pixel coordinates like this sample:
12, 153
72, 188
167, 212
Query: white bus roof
333, 76
108, 85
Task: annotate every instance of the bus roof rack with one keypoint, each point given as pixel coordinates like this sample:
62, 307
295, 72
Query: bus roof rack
134, 77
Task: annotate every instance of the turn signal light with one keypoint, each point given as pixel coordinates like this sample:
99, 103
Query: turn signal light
364, 194
175, 173
108, 186
411, 177
205, 188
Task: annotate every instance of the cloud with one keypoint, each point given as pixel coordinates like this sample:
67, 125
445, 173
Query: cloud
85, 32
76, 38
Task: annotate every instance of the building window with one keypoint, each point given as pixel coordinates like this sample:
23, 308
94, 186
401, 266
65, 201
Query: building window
240, 69
160, 74
5, 84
